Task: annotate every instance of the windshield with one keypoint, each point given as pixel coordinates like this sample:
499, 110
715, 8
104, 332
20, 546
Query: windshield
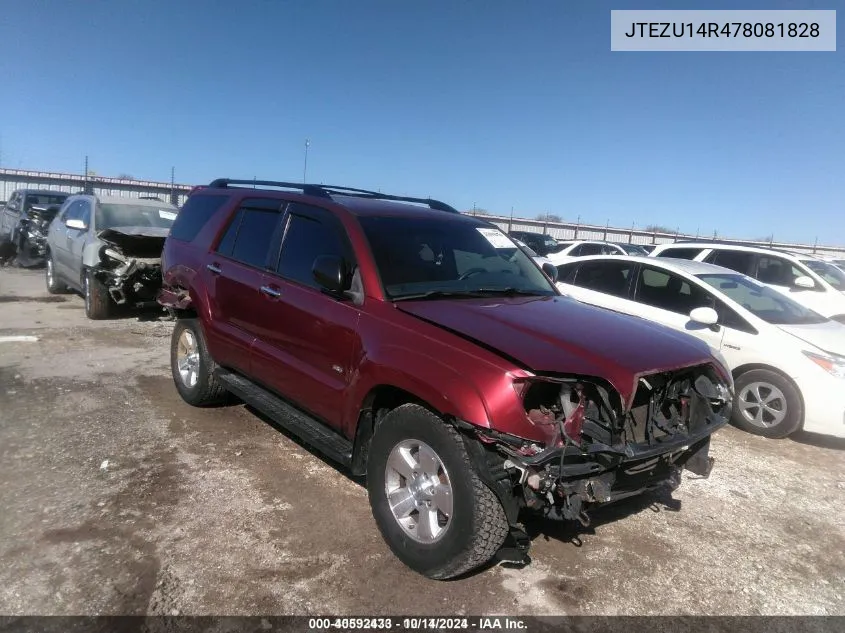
110, 216
444, 256
830, 273
43, 200
762, 301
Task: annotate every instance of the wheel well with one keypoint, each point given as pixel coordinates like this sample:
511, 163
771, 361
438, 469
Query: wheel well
184, 313
378, 402
742, 369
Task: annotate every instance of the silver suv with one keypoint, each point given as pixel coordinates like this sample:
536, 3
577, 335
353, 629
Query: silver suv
109, 249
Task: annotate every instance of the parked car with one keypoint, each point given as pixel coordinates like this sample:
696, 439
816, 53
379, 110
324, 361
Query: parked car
584, 248
23, 224
109, 249
416, 345
789, 273
531, 253
788, 361
541, 244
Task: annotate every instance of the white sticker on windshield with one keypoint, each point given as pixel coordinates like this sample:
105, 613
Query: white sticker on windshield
496, 238
167, 215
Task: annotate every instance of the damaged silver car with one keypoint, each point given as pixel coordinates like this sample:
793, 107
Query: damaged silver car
108, 249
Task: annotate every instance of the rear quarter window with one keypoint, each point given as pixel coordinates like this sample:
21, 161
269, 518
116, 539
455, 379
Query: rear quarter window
194, 214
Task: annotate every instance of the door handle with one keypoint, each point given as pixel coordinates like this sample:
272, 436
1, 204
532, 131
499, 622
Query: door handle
271, 292
214, 268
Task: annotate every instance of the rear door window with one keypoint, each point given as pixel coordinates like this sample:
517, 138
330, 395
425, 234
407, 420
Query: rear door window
681, 253
740, 261
608, 277
664, 290
587, 249
251, 232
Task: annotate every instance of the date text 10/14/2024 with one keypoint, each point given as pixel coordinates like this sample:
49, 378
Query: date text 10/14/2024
418, 624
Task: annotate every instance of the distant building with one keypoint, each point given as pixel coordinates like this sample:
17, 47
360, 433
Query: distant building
11, 179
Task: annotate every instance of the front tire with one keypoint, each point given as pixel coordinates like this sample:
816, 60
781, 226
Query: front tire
54, 286
428, 501
192, 366
98, 303
767, 404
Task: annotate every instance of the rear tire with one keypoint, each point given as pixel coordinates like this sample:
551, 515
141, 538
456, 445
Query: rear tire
449, 544
192, 366
767, 404
98, 303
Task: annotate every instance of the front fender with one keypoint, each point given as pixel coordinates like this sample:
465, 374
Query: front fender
422, 375
91, 254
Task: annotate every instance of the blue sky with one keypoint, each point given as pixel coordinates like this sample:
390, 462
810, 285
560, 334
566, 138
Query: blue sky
499, 104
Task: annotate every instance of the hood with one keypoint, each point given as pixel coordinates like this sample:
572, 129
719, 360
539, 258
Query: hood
560, 335
136, 241
828, 336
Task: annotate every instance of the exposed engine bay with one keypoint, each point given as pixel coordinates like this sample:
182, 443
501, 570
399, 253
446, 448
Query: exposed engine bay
130, 266
599, 451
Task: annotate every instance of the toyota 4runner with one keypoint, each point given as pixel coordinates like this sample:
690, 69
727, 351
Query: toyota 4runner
422, 348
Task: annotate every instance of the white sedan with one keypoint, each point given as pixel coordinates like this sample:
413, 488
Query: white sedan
788, 361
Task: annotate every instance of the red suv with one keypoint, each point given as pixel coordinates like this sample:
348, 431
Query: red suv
423, 348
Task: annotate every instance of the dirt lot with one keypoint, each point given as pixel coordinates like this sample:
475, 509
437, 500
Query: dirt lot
117, 498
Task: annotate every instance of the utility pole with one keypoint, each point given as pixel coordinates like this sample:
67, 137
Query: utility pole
305, 167
85, 182
510, 222
173, 199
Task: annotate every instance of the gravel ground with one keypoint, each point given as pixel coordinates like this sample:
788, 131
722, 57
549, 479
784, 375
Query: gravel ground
118, 498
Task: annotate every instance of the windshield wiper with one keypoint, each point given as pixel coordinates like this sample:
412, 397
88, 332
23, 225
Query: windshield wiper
510, 292
478, 293
439, 294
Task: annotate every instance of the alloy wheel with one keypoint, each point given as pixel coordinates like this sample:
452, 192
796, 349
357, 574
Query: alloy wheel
762, 404
188, 359
419, 491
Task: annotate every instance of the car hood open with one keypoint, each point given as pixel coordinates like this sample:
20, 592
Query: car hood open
828, 336
563, 336
136, 241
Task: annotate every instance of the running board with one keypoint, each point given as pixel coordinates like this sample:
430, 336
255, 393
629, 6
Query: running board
300, 424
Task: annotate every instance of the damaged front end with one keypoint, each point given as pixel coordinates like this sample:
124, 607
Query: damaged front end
30, 243
598, 450
130, 266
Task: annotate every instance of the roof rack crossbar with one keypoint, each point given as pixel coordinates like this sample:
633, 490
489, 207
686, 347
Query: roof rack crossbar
326, 191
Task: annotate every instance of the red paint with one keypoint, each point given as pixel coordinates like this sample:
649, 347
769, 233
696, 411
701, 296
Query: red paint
461, 357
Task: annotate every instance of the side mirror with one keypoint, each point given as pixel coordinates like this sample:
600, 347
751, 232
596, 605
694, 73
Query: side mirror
704, 316
551, 271
73, 223
805, 282
330, 272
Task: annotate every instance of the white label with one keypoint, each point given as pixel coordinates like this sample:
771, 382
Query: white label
167, 215
496, 238
723, 30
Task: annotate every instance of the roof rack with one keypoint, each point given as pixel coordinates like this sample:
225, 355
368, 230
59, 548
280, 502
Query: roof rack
327, 191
